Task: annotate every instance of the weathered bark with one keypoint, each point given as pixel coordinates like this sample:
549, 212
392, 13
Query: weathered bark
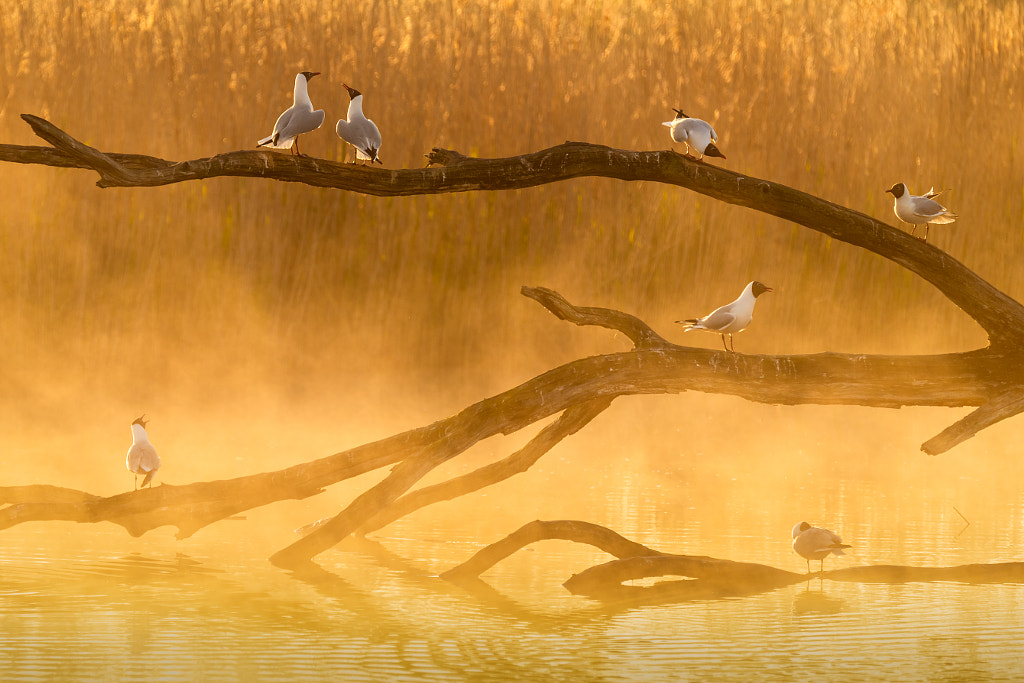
1000, 316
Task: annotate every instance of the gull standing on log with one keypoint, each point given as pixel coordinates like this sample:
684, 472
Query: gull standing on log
142, 457
815, 543
359, 131
694, 133
731, 318
297, 119
917, 210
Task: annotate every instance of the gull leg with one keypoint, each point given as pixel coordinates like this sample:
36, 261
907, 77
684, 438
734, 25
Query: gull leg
723, 342
926, 226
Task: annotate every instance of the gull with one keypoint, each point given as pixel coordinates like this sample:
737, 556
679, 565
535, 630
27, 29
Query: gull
359, 131
142, 457
917, 210
815, 543
731, 318
694, 133
297, 119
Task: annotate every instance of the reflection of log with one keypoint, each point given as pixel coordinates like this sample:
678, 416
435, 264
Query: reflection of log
707, 577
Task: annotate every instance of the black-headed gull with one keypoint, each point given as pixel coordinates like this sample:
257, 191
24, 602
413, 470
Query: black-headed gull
297, 119
731, 318
694, 133
917, 210
815, 543
359, 131
142, 457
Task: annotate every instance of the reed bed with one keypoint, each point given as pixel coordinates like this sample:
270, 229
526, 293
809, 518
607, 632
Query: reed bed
226, 287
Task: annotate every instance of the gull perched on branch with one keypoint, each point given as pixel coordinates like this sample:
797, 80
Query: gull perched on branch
694, 133
297, 119
731, 318
359, 131
815, 543
142, 457
917, 210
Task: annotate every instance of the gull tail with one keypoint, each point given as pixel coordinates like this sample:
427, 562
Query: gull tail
265, 141
149, 477
690, 324
947, 217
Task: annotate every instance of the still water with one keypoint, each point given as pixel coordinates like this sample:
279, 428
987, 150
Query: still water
88, 602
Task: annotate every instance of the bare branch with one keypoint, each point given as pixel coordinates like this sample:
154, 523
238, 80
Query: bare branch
998, 409
568, 530
570, 422
1000, 316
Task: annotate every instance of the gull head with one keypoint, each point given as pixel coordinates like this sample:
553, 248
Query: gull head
352, 92
680, 114
758, 288
712, 151
800, 528
897, 190
141, 421
310, 74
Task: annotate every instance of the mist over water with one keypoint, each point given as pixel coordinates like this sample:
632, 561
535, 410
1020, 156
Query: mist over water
261, 324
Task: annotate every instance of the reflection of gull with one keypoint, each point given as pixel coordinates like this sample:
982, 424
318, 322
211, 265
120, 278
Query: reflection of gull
731, 318
694, 133
142, 457
917, 210
815, 543
359, 131
297, 119
815, 601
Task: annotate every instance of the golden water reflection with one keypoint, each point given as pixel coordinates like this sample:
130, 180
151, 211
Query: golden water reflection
84, 602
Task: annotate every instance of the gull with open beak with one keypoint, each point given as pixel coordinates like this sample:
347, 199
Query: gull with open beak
142, 457
359, 131
731, 318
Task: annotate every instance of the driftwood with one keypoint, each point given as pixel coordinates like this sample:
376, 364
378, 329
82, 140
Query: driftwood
706, 577
991, 379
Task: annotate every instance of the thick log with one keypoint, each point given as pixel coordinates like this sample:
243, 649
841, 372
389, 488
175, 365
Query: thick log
1000, 316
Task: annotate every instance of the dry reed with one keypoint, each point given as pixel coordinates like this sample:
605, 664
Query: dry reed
214, 287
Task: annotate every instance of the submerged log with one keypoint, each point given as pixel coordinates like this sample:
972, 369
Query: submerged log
706, 577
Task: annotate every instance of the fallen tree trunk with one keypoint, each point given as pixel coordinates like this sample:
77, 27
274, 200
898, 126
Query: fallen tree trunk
580, 389
991, 379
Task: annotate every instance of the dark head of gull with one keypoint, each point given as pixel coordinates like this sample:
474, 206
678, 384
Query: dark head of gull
758, 289
897, 190
352, 92
142, 422
680, 114
712, 151
310, 74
